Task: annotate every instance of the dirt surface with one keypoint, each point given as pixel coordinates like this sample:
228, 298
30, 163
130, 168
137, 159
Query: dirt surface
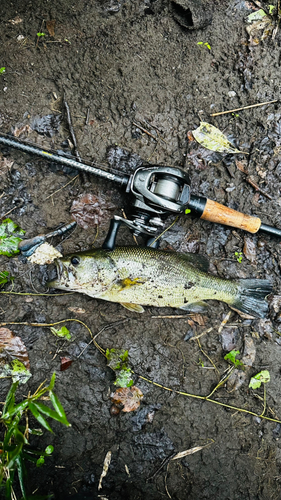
123, 64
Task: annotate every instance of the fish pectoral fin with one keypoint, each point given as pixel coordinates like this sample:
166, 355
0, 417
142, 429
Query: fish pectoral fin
132, 307
128, 282
197, 307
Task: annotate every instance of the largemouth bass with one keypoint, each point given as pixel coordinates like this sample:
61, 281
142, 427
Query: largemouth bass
136, 277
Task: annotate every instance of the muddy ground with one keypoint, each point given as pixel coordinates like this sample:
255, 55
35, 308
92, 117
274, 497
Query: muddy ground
124, 64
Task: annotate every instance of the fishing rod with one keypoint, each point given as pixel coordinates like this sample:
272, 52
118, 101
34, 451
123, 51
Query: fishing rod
155, 192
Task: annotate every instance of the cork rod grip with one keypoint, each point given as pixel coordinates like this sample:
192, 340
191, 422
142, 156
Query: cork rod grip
215, 212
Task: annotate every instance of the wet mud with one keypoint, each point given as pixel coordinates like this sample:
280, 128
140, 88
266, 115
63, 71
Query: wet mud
136, 76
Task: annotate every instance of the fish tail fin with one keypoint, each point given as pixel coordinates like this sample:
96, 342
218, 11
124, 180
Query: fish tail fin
252, 295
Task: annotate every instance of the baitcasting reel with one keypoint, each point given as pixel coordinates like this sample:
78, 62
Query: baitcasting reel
155, 193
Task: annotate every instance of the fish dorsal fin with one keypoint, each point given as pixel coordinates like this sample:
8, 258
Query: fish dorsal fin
132, 307
196, 307
196, 260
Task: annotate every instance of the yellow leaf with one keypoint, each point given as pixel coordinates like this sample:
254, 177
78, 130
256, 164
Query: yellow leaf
212, 138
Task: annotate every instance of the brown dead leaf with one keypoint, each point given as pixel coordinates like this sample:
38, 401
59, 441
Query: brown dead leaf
199, 319
241, 165
24, 129
16, 20
89, 210
65, 363
76, 310
249, 250
12, 347
129, 397
50, 25
5, 164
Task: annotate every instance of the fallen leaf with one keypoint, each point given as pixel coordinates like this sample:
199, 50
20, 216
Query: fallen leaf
24, 129
212, 138
62, 333
76, 310
106, 464
262, 377
65, 363
12, 347
241, 166
16, 20
199, 319
5, 165
129, 397
249, 352
9, 238
249, 250
44, 254
50, 25
89, 210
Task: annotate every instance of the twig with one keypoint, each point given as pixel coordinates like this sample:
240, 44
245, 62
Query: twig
145, 131
55, 192
173, 316
257, 188
87, 117
163, 463
7, 213
71, 129
201, 334
244, 107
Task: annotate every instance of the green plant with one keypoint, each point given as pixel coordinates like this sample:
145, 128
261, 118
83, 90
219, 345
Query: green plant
63, 332
41, 34
117, 360
204, 44
5, 277
231, 357
239, 257
262, 377
14, 447
2, 70
10, 237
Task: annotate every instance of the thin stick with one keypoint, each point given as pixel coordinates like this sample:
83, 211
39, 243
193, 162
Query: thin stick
7, 213
177, 316
145, 131
55, 192
244, 107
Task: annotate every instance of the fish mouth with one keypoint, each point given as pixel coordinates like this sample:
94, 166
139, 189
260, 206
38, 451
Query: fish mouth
59, 275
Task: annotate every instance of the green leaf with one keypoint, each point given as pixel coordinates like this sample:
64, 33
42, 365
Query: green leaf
212, 138
14, 455
52, 382
5, 277
9, 238
40, 461
49, 412
257, 15
262, 377
2, 70
19, 372
10, 398
49, 449
271, 8
117, 358
231, 356
58, 408
35, 412
20, 469
19, 408
124, 378
63, 332
41, 34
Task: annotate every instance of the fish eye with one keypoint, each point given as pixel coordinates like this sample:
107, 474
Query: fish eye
75, 260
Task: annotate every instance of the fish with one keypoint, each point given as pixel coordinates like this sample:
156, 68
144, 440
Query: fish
143, 276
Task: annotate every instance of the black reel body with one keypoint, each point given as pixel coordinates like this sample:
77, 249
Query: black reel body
156, 192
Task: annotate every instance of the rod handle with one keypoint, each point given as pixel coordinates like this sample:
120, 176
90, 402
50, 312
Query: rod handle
215, 212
